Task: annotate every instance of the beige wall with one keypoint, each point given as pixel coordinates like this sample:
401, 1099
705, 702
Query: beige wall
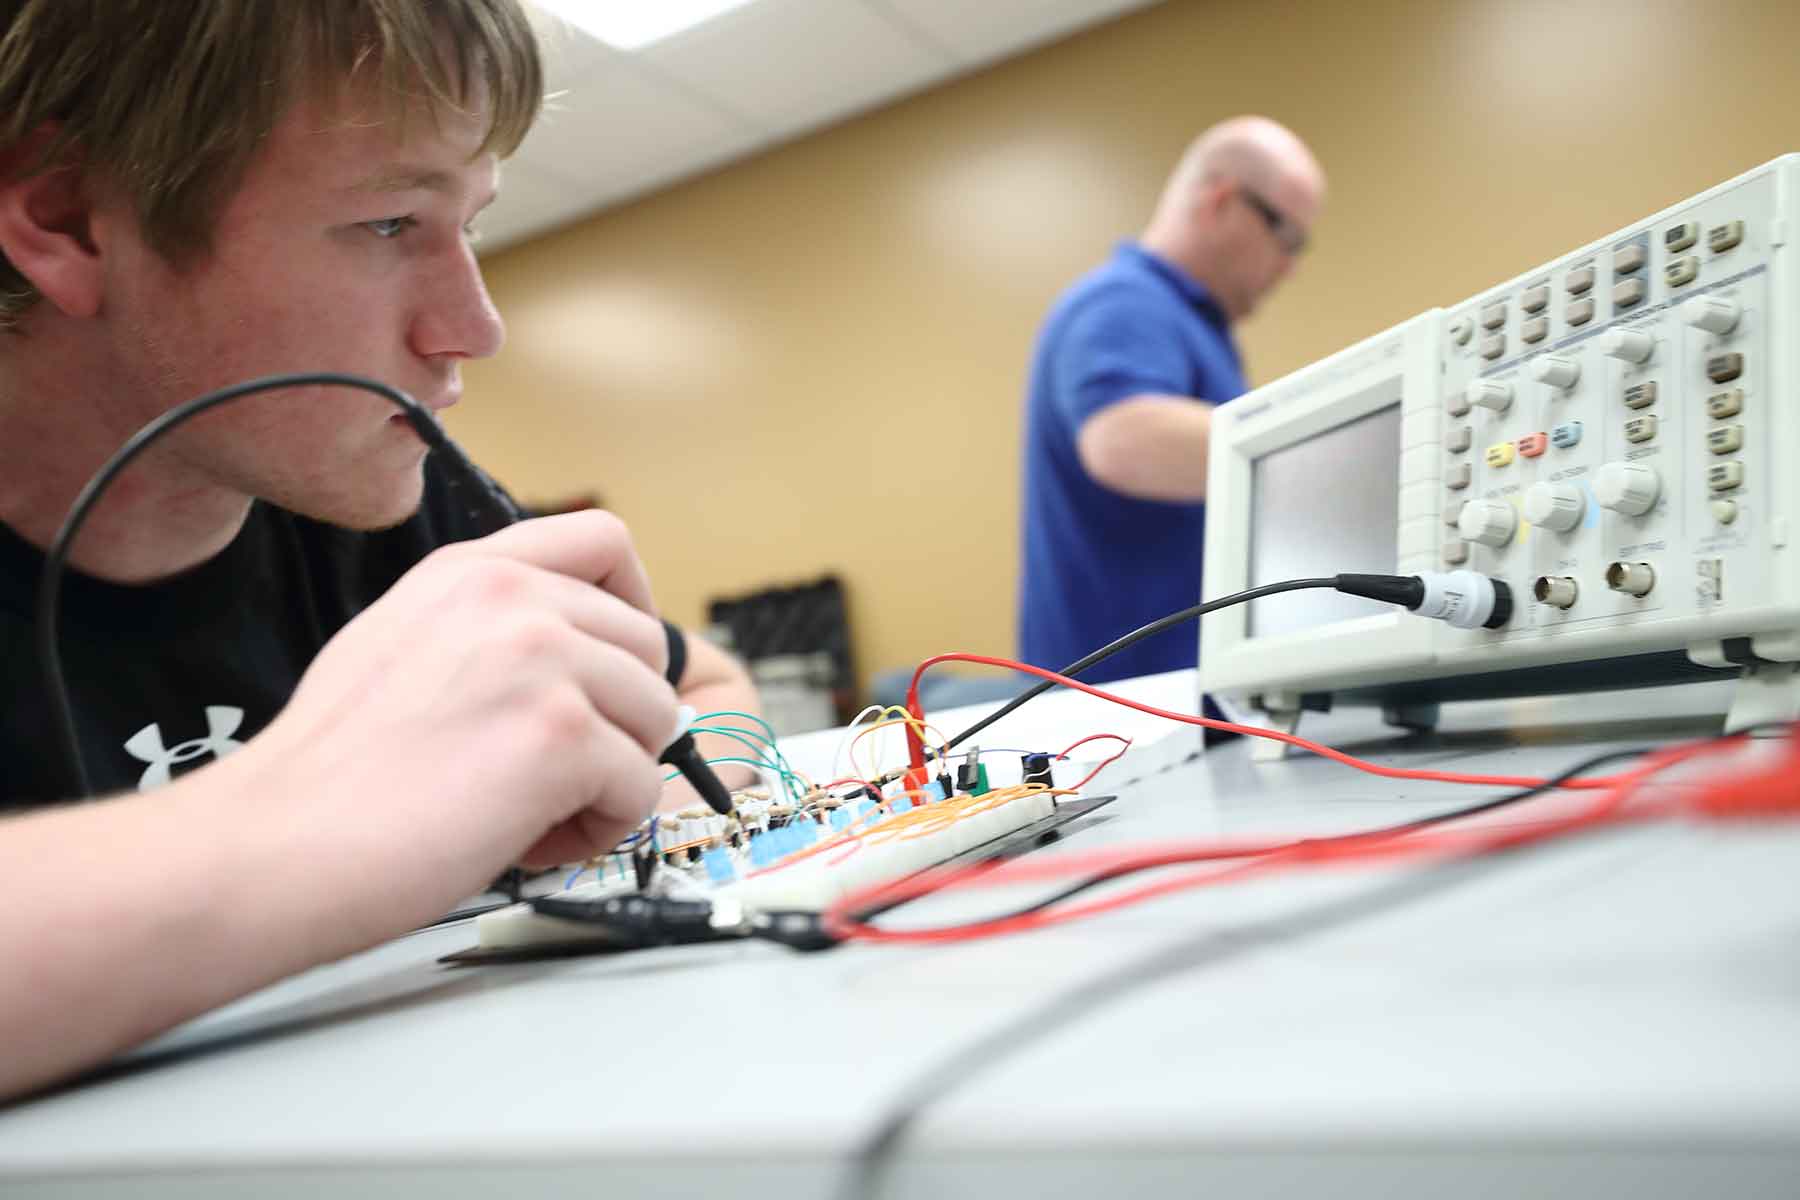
813, 361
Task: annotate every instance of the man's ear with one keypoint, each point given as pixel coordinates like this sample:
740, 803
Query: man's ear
46, 230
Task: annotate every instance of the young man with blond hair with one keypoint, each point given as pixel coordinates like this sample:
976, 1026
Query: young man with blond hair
379, 715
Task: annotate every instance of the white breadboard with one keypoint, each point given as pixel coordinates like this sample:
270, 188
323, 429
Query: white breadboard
809, 877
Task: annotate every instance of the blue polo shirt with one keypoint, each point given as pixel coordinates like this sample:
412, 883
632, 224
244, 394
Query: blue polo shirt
1098, 564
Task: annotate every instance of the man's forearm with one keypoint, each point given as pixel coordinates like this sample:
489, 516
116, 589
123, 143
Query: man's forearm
130, 915
1149, 447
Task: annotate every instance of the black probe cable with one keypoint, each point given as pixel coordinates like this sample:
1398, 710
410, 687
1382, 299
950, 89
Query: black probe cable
1211, 949
1409, 591
486, 505
1397, 830
1383, 831
1132, 639
869, 1163
50, 585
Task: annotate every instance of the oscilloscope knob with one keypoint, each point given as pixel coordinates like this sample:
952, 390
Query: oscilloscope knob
1627, 345
1557, 370
1629, 488
1493, 394
1490, 522
1555, 506
1715, 314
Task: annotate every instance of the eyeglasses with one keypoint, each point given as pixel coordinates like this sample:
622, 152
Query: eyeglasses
1289, 236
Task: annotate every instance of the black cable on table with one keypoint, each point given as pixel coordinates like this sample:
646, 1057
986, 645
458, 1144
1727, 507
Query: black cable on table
1134, 637
1384, 831
1211, 949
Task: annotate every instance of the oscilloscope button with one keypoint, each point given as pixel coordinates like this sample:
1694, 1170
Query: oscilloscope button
1725, 439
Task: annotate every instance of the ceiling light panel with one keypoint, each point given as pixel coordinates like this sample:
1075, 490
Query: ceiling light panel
632, 24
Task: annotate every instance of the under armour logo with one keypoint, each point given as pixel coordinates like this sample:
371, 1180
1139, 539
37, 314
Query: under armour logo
146, 745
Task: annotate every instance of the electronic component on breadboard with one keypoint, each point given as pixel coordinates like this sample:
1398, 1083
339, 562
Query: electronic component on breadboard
776, 857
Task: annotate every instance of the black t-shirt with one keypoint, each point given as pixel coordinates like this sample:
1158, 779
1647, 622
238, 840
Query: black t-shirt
165, 678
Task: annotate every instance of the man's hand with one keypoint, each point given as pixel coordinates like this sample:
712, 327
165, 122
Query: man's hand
504, 701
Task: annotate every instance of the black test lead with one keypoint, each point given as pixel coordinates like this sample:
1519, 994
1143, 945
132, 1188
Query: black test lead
684, 756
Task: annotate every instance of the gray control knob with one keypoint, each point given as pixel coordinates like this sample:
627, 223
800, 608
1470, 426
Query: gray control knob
1556, 370
1631, 345
1555, 506
1715, 314
1490, 522
1629, 488
1490, 394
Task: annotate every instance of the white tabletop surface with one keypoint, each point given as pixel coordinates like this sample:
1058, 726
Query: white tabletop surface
1615, 1015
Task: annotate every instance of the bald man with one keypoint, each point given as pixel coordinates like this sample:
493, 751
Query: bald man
1127, 369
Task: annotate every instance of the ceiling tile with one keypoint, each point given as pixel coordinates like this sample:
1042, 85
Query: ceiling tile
568, 53
622, 125
794, 64
617, 119
980, 32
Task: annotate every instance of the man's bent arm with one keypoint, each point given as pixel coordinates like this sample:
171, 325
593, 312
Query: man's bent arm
1149, 447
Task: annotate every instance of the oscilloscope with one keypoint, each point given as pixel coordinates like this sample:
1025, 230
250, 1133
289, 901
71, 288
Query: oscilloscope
1609, 433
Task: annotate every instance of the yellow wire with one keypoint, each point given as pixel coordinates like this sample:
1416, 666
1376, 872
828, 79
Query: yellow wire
905, 718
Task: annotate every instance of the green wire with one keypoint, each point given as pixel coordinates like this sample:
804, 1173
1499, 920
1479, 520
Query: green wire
738, 736
774, 749
729, 712
749, 762
777, 763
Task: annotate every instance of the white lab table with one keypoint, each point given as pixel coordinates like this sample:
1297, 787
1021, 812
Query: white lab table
1616, 1015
